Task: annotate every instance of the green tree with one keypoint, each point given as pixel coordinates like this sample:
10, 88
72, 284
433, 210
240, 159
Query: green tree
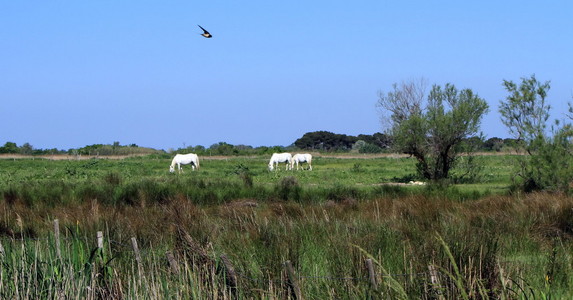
493, 144
548, 164
9, 147
358, 145
431, 128
370, 148
324, 140
26, 149
525, 111
223, 148
379, 139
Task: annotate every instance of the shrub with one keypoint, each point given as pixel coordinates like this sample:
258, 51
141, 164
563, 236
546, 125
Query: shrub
244, 174
370, 148
288, 189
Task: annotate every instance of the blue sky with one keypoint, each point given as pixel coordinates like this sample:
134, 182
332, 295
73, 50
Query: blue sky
76, 73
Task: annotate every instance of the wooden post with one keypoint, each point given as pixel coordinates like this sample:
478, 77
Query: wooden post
57, 238
293, 282
1, 259
99, 249
195, 248
100, 240
136, 251
371, 274
172, 262
435, 281
231, 276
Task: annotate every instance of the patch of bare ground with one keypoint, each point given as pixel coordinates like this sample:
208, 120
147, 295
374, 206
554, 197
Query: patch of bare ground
402, 183
400, 155
359, 156
242, 203
67, 157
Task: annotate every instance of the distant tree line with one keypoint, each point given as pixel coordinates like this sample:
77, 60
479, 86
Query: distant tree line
226, 149
27, 149
114, 149
320, 141
92, 150
380, 142
328, 141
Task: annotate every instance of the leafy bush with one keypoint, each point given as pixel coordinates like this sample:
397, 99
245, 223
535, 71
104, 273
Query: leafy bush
468, 170
549, 167
244, 174
288, 189
370, 148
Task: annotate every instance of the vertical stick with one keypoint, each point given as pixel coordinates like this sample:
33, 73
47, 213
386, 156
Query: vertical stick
435, 281
172, 262
136, 250
57, 238
1, 261
371, 274
99, 249
100, 240
230, 275
293, 282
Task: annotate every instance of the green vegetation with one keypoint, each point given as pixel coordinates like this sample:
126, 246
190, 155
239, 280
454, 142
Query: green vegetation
482, 242
432, 128
525, 112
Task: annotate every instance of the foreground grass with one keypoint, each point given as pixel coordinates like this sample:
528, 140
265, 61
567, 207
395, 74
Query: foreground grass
487, 248
483, 244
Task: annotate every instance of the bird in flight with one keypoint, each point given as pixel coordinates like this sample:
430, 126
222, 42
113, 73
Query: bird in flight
205, 32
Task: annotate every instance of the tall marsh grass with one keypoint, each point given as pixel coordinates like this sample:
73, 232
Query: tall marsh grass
496, 247
482, 245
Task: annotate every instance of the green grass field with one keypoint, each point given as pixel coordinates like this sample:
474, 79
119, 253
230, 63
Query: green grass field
482, 242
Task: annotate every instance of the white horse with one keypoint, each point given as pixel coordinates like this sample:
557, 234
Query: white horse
184, 159
300, 159
280, 158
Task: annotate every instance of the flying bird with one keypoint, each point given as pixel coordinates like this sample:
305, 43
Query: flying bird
205, 32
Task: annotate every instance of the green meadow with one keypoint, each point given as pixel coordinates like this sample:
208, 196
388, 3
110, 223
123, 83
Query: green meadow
464, 241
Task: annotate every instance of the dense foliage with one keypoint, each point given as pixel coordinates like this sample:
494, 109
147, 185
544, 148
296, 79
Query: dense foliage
432, 128
328, 141
549, 160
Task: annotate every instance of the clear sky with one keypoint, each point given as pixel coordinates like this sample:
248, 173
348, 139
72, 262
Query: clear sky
76, 73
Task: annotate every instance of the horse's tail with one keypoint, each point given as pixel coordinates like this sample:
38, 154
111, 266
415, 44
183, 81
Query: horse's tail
197, 162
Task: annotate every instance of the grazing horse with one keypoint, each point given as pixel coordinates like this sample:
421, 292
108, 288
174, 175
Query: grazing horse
280, 158
184, 159
300, 159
